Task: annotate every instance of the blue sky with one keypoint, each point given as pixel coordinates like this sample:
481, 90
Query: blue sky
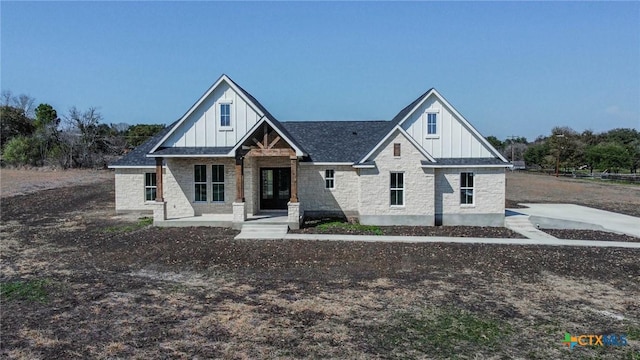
511, 68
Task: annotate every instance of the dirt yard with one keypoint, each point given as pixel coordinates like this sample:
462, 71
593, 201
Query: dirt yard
80, 282
530, 188
26, 181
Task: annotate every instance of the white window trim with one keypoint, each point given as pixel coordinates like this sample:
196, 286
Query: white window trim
149, 187
330, 178
426, 123
224, 178
219, 117
200, 183
403, 188
473, 203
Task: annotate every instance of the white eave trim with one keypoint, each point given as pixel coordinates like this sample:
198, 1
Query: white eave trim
222, 78
190, 156
442, 166
363, 166
133, 166
326, 163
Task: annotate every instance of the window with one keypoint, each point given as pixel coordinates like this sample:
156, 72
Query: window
397, 189
466, 188
200, 179
150, 186
217, 180
432, 124
225, 115
329, 179
396, 150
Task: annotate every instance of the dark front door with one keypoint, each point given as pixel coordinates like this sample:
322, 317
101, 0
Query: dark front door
275, 185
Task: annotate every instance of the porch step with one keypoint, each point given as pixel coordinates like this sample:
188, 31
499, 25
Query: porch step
262, 230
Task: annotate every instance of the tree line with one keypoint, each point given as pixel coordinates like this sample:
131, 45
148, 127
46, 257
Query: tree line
610, 151
37, 136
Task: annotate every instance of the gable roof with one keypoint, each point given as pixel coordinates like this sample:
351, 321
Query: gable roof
137, 157
404, 114
336, 141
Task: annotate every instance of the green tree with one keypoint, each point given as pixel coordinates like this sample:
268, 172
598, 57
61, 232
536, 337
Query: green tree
536, 153
14, 122
21, 150
138, 134
609, 156
495, 142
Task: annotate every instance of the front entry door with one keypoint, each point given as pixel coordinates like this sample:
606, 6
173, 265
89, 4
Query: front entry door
275, 185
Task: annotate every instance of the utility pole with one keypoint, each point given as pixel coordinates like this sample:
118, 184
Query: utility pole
512, 137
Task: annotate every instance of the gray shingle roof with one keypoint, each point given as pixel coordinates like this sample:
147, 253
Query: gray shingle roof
336, 141
137, 156
193, 150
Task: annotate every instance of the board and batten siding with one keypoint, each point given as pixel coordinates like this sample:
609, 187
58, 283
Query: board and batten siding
454, 138
202, 126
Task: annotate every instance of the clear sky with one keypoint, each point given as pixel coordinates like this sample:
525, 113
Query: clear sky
511, 68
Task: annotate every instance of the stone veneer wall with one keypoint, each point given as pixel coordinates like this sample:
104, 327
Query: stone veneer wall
179, 187
129, 184
315, 197
489, 197
374, 203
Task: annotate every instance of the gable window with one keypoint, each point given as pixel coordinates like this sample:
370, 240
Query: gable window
225, 115
396, 150
329, 179
150, 187
432, 124
200, 180
466, 188
217, 182
397, 189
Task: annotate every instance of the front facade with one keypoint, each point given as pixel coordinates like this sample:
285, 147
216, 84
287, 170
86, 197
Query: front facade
229, 155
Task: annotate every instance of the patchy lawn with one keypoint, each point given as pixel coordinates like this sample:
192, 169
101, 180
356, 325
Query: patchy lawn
71, 288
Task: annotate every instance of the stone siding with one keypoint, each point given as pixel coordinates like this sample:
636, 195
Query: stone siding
418, 184
129, 184
314, 196
489, 194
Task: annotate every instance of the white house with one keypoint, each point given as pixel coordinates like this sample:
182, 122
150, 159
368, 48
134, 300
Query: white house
228, 155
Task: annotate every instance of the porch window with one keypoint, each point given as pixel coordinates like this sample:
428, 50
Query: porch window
329, 179
217, 181
200, 180
397, 189
150, 187
466, 188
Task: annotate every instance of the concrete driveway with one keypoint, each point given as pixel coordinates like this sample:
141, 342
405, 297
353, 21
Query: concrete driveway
569, 216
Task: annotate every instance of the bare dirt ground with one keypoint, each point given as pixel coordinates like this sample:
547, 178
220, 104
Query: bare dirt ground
532, 188
115, 290
26, 181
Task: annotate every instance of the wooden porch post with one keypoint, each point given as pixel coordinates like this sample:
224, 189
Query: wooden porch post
239, 178
159, 190
294, 179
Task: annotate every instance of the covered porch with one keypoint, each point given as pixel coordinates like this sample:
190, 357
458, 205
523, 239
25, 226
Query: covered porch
260, 185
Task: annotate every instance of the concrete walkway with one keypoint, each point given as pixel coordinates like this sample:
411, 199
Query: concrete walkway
569, 216
459, 240
522, 225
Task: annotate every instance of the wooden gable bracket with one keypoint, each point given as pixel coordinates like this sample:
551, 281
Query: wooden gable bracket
273, 143
258, 143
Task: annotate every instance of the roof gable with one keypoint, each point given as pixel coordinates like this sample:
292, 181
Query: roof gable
198, 127
410, 110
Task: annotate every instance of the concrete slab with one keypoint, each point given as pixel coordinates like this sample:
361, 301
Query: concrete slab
522, 225
570, 216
